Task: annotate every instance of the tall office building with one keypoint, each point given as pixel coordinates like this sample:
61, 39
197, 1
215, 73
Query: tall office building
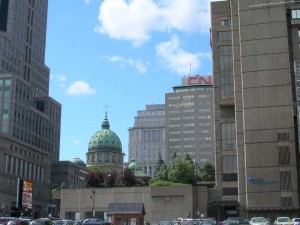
189, 120
147, 138
29, 118
256, 58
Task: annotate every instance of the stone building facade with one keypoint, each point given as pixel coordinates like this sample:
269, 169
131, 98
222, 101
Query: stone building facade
147, 138
256, 54
161, 203
29, 118
189, 119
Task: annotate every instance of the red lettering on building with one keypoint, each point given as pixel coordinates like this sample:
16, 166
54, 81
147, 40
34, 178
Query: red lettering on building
199, 80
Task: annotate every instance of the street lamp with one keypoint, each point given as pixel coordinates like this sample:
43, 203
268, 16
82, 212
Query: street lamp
93, 198
50, 202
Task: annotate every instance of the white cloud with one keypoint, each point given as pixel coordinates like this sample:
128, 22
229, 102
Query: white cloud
134, 20
59, 79
137, 64
176, 59
80, 88
76, 142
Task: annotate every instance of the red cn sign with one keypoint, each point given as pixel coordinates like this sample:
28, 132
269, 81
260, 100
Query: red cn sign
199, 80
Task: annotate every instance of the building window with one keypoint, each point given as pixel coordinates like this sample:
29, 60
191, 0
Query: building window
285, 180
229, 168
296, 14
224, 35
226, 71
229, 164
225, 22
284, 155
230, 191
286, 202
228, 136
283, 136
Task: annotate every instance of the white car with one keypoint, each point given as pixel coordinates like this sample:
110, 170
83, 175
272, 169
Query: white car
259, 221
283, 221
296, 221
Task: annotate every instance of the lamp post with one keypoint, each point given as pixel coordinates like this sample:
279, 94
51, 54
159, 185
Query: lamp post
93, 198
50, 201
196, 189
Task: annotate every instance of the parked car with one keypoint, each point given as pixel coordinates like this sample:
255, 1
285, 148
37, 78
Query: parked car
5, 220
208, 222
242, 220
231, 222
41, 221
18, 222
283, 221
165, 222
91, 220
296, 221
259, 221
175, 222
94, 223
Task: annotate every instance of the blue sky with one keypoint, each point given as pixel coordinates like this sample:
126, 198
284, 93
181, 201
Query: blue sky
123, 54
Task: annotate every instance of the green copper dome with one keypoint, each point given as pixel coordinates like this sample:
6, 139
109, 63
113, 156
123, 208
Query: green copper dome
105, 138
133, 165
78, 162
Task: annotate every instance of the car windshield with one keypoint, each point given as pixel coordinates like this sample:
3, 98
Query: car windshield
258, 220
186, 222
165, 223
296, 220
283, 219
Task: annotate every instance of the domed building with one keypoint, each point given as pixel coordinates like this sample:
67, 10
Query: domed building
135, 168
105, 149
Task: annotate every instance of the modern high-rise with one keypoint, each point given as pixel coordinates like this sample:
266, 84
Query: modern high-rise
189, 120
147, 138
256, 58
29, 118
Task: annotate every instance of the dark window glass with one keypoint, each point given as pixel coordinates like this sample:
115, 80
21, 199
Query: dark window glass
230, 191
230, 177
285, 180
284, 155
224, 36
228, 136
229, 164
226, 71
3, 14
283, 136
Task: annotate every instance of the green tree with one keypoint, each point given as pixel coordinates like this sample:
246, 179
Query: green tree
129, 178
207, 173
158, 164
63, 185
163, 173
188, 157
181, 170
173, 156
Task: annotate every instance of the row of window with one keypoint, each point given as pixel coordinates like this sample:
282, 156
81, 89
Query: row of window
104, 157
23, 168
152, 135
193, 89
189, 111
